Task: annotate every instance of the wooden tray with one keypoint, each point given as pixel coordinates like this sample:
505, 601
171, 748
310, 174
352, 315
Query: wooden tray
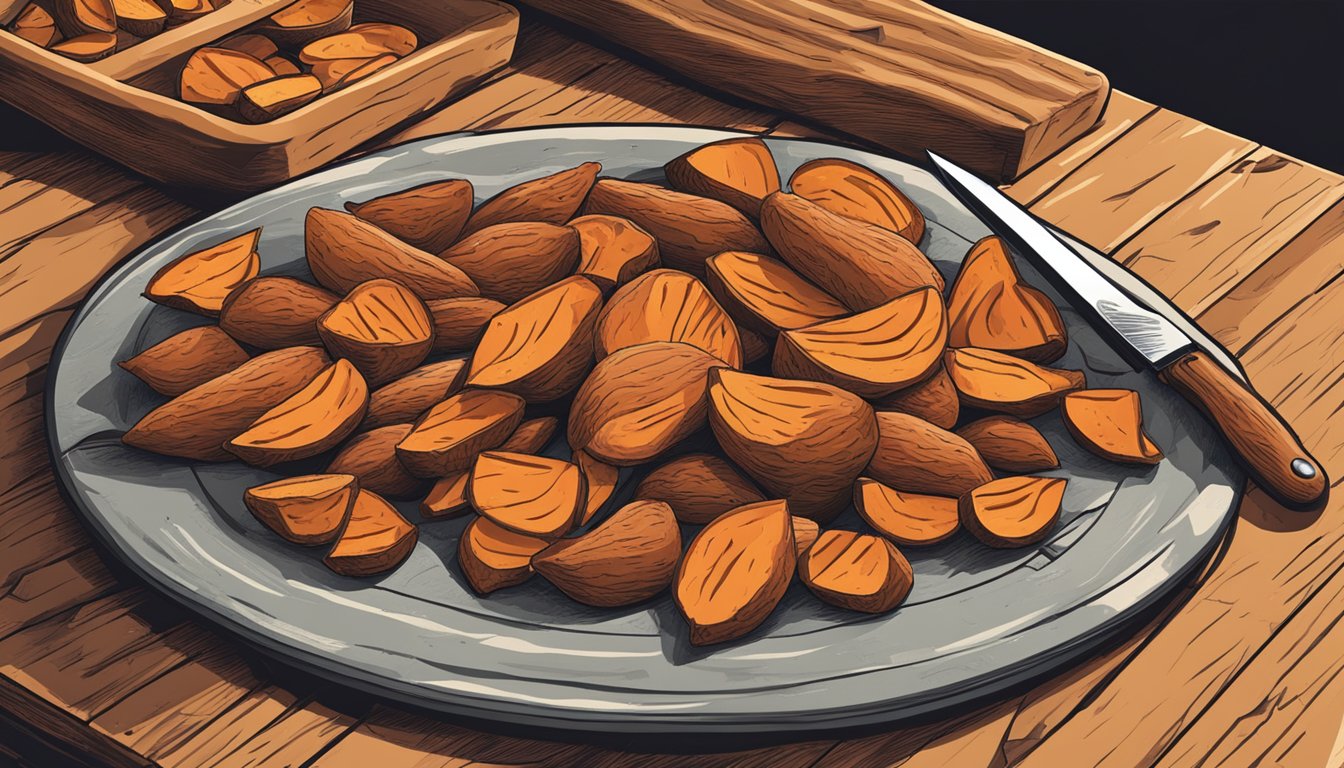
125, 106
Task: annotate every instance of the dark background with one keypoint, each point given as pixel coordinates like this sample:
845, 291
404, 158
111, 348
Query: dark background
1271, 71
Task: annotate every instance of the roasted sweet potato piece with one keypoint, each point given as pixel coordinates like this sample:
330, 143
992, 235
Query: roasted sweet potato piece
689, 228
362, 41
531, 495
182, 11
459, 323
628, 559
860, 264
196, 424
344, 251
991, 308
336, 74
380, 326
906, 518
511, 261
88, 47
493, 557
667, 305
552, 199
699, 487
856, 571
278, 96
767, 296
258, 46
406, 399
805, 534
281, 65
612, 250
915, 456
296, 24
641, 401
1013, 511
600, 479
275, 312
801, 440
873, 353
1010, 444
735, 571
79, 17
372, 458
1109, 422
448, 497
429, 217
141, 18
739, 172
754, 346
998, 382
376, 538
185, 360
453, 432
311, 421
199, 281
36, 25
934, 399
310, 509
217, 76
541, 347
852, 190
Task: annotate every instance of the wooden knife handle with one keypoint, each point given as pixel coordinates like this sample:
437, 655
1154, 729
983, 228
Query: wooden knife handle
1267, 446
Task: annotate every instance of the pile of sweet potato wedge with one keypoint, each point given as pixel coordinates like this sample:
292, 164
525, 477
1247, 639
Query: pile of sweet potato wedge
763, 358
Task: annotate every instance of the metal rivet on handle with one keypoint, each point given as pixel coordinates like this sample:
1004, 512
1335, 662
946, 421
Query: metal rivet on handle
1303, 468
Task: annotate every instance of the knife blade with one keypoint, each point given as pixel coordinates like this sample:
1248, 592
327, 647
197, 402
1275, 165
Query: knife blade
1265, 444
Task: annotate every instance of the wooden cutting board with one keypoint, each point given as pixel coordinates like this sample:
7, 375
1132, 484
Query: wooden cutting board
898, 73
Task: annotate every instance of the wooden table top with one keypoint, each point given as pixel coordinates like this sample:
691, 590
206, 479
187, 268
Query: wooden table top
1241, 668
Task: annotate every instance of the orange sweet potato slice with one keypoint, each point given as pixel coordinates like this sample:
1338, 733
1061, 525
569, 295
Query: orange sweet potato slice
767, 296
1109, 422
531, 495
906, 518
372, 458
448, 497
453, 432
852, 190
311, 421
406, 399
873, 353
1013, 511
258, 46
552, 199
600, 479
689, 228
141, 18
273, 312
628, 559
995, 381
306, 20
36, 25
381, 327
667, 305
735, 572
805, 534
88, 47
278, 96
541, 347
459, 323
336, 74
493, 557
376, 538
918, 457
860, 264
344, 251
856, 571
739, 172
198, 282
1010, 444
362, 41
186, 360
991, 308
641, 401
934, 399
310, 509
803, 441
612, 250
514, 260
429, 217
699, 487
217, 76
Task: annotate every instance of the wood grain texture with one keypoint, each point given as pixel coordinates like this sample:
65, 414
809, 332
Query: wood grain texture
1138, 177
178, 40
229, 730
901, 74
1212, 240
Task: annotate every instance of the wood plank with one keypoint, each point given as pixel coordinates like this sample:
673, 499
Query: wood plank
1122, 113
891, 747
230, 729
1135, 179
1204, 247
1304, 266
163, 715
51, 736
53, 587
977, 744
291, 740
36, 527
901, 74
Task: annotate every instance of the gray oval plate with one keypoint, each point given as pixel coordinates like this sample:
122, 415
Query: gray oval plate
979, 620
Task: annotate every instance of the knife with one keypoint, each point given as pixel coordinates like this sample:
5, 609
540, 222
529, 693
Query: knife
1266, 446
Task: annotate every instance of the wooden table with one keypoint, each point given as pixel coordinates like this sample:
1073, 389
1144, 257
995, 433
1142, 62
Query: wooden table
1242, 668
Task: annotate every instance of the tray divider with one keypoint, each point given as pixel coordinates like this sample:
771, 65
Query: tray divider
169, 44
